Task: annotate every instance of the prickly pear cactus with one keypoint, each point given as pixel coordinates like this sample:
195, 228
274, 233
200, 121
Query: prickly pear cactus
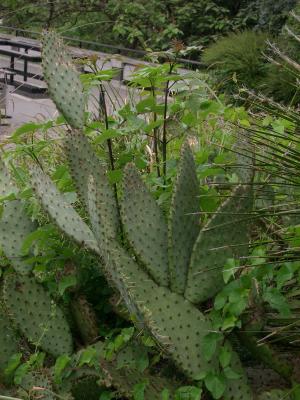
176, 265
35, 315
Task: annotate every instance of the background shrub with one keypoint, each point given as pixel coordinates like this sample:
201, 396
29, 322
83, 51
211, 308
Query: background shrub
238, 59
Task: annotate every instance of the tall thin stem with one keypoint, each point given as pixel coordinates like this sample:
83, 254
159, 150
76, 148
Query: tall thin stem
155, 136
104, 111
109, 143
164, 132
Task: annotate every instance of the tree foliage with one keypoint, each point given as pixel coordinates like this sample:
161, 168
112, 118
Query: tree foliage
151, 23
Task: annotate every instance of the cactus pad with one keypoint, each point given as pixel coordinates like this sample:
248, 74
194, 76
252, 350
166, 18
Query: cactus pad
145, 226
60, 211
183, 225
85, 318
15, 224
9, 341
175, 323
86, 388
63, 80
6, 185
83, 164
225, 236
179, 328
36, 315
38, 386
237, 389
125, 275
103, 216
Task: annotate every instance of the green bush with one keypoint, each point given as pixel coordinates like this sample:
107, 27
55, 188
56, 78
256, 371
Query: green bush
281, 81
238, 59
281, 84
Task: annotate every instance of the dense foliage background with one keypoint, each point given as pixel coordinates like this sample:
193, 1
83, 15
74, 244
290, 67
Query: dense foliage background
151, 23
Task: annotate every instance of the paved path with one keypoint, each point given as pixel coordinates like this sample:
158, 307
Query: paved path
23, 109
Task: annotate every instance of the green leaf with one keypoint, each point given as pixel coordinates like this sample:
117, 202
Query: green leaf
87, 356
139, 390
225, 356
229, 322
210, 342
284, 274
60, 364
115, 176
107, 395
277, 301
107, 134
25, 128
215, 384
37, 360
188, 393
231, 374
20, 372
142, 361
220, 300
66, 282
209, 171
13, 363
146, 105
230, 269
165, 394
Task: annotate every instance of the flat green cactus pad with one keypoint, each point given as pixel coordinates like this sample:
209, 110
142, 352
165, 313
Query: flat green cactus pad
84, 164
238, 389
177, 325
183, 226
15, 224
225, 236
145, 226
180, 328
6, 184
85, 318
67, 219
38, 386
103, 215
126, 276
86, 388
35, 314
9, 340
63, 80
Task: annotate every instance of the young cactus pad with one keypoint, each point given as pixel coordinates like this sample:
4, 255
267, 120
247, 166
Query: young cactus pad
184, 223
35, 315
